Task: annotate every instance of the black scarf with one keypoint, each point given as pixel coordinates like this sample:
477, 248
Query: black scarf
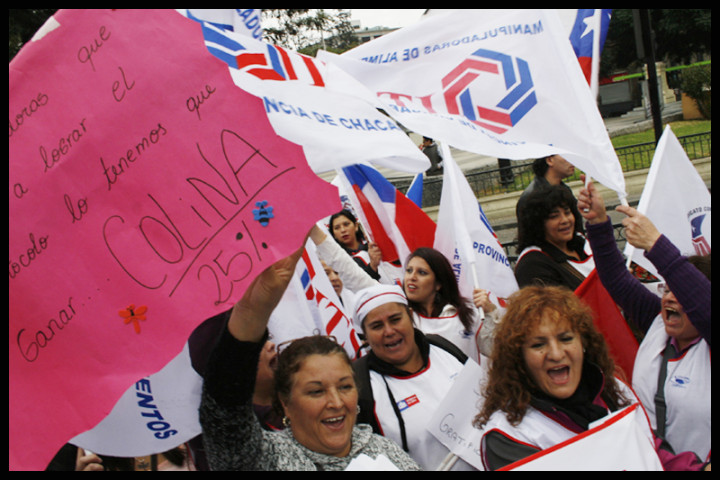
579, 406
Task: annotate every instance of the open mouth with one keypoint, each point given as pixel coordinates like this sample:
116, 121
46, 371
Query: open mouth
672, 315
559, 375
393, 345
334, 423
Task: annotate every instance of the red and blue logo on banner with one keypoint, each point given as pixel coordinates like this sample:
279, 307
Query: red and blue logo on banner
518, 96
273, 64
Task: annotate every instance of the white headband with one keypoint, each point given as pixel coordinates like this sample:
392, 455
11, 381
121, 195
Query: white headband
372, 297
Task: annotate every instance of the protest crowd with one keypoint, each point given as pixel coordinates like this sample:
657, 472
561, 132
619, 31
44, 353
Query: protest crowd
389, 341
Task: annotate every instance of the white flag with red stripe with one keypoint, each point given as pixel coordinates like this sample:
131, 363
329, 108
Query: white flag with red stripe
620, 442
310, 306
394, 222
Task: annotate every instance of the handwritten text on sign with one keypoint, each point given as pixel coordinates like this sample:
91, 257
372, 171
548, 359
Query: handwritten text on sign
146, 191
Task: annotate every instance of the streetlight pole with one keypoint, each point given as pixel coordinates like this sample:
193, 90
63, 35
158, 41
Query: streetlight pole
646, 52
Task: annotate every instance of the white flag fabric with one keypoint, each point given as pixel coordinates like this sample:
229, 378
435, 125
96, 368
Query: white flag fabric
154, 415
504, 83
335, 128
464, 236
243, 21
676, 200
619, 442
310, 306
452, 421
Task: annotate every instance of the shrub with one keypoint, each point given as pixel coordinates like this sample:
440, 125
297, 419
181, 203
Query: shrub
696, 84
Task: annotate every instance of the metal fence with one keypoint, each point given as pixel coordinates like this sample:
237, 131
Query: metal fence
516, 177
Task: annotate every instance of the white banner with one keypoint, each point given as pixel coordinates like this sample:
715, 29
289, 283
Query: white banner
452, 421
243, 21
154, 415
504, 83
335, 127
676, 200
619, 442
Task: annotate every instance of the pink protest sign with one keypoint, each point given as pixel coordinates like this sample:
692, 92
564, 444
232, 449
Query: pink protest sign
146, 191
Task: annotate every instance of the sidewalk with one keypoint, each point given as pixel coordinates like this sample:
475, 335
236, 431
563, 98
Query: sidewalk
635, 121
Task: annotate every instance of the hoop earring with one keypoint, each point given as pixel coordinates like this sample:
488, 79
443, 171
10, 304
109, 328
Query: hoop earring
286, 422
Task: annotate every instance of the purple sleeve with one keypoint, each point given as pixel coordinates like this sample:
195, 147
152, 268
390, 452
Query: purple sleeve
688, 284
690, 287
638, 303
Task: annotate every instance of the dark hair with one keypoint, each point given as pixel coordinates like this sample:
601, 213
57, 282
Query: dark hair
540, 166
449, 292
347, 214
537, 208
176, 456
510, 386
291, 359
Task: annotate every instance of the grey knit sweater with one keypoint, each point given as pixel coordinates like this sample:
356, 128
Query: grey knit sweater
234, 439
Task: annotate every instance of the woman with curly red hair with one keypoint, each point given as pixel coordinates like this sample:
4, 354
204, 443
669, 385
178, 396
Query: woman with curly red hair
550, 376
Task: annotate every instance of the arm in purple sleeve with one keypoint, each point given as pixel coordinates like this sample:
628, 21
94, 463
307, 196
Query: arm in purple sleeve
638, 303
690, 287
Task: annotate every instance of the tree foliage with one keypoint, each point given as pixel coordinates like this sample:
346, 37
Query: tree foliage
23, 23
696, 84
307, 30
680, 36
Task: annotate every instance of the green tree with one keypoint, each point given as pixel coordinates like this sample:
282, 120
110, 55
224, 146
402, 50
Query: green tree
23, 23
679, 35
307, 30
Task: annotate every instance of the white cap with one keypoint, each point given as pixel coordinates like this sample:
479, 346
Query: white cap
372, 297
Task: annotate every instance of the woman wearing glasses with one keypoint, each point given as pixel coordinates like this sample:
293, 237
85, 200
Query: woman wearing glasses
675, 351
314, 385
